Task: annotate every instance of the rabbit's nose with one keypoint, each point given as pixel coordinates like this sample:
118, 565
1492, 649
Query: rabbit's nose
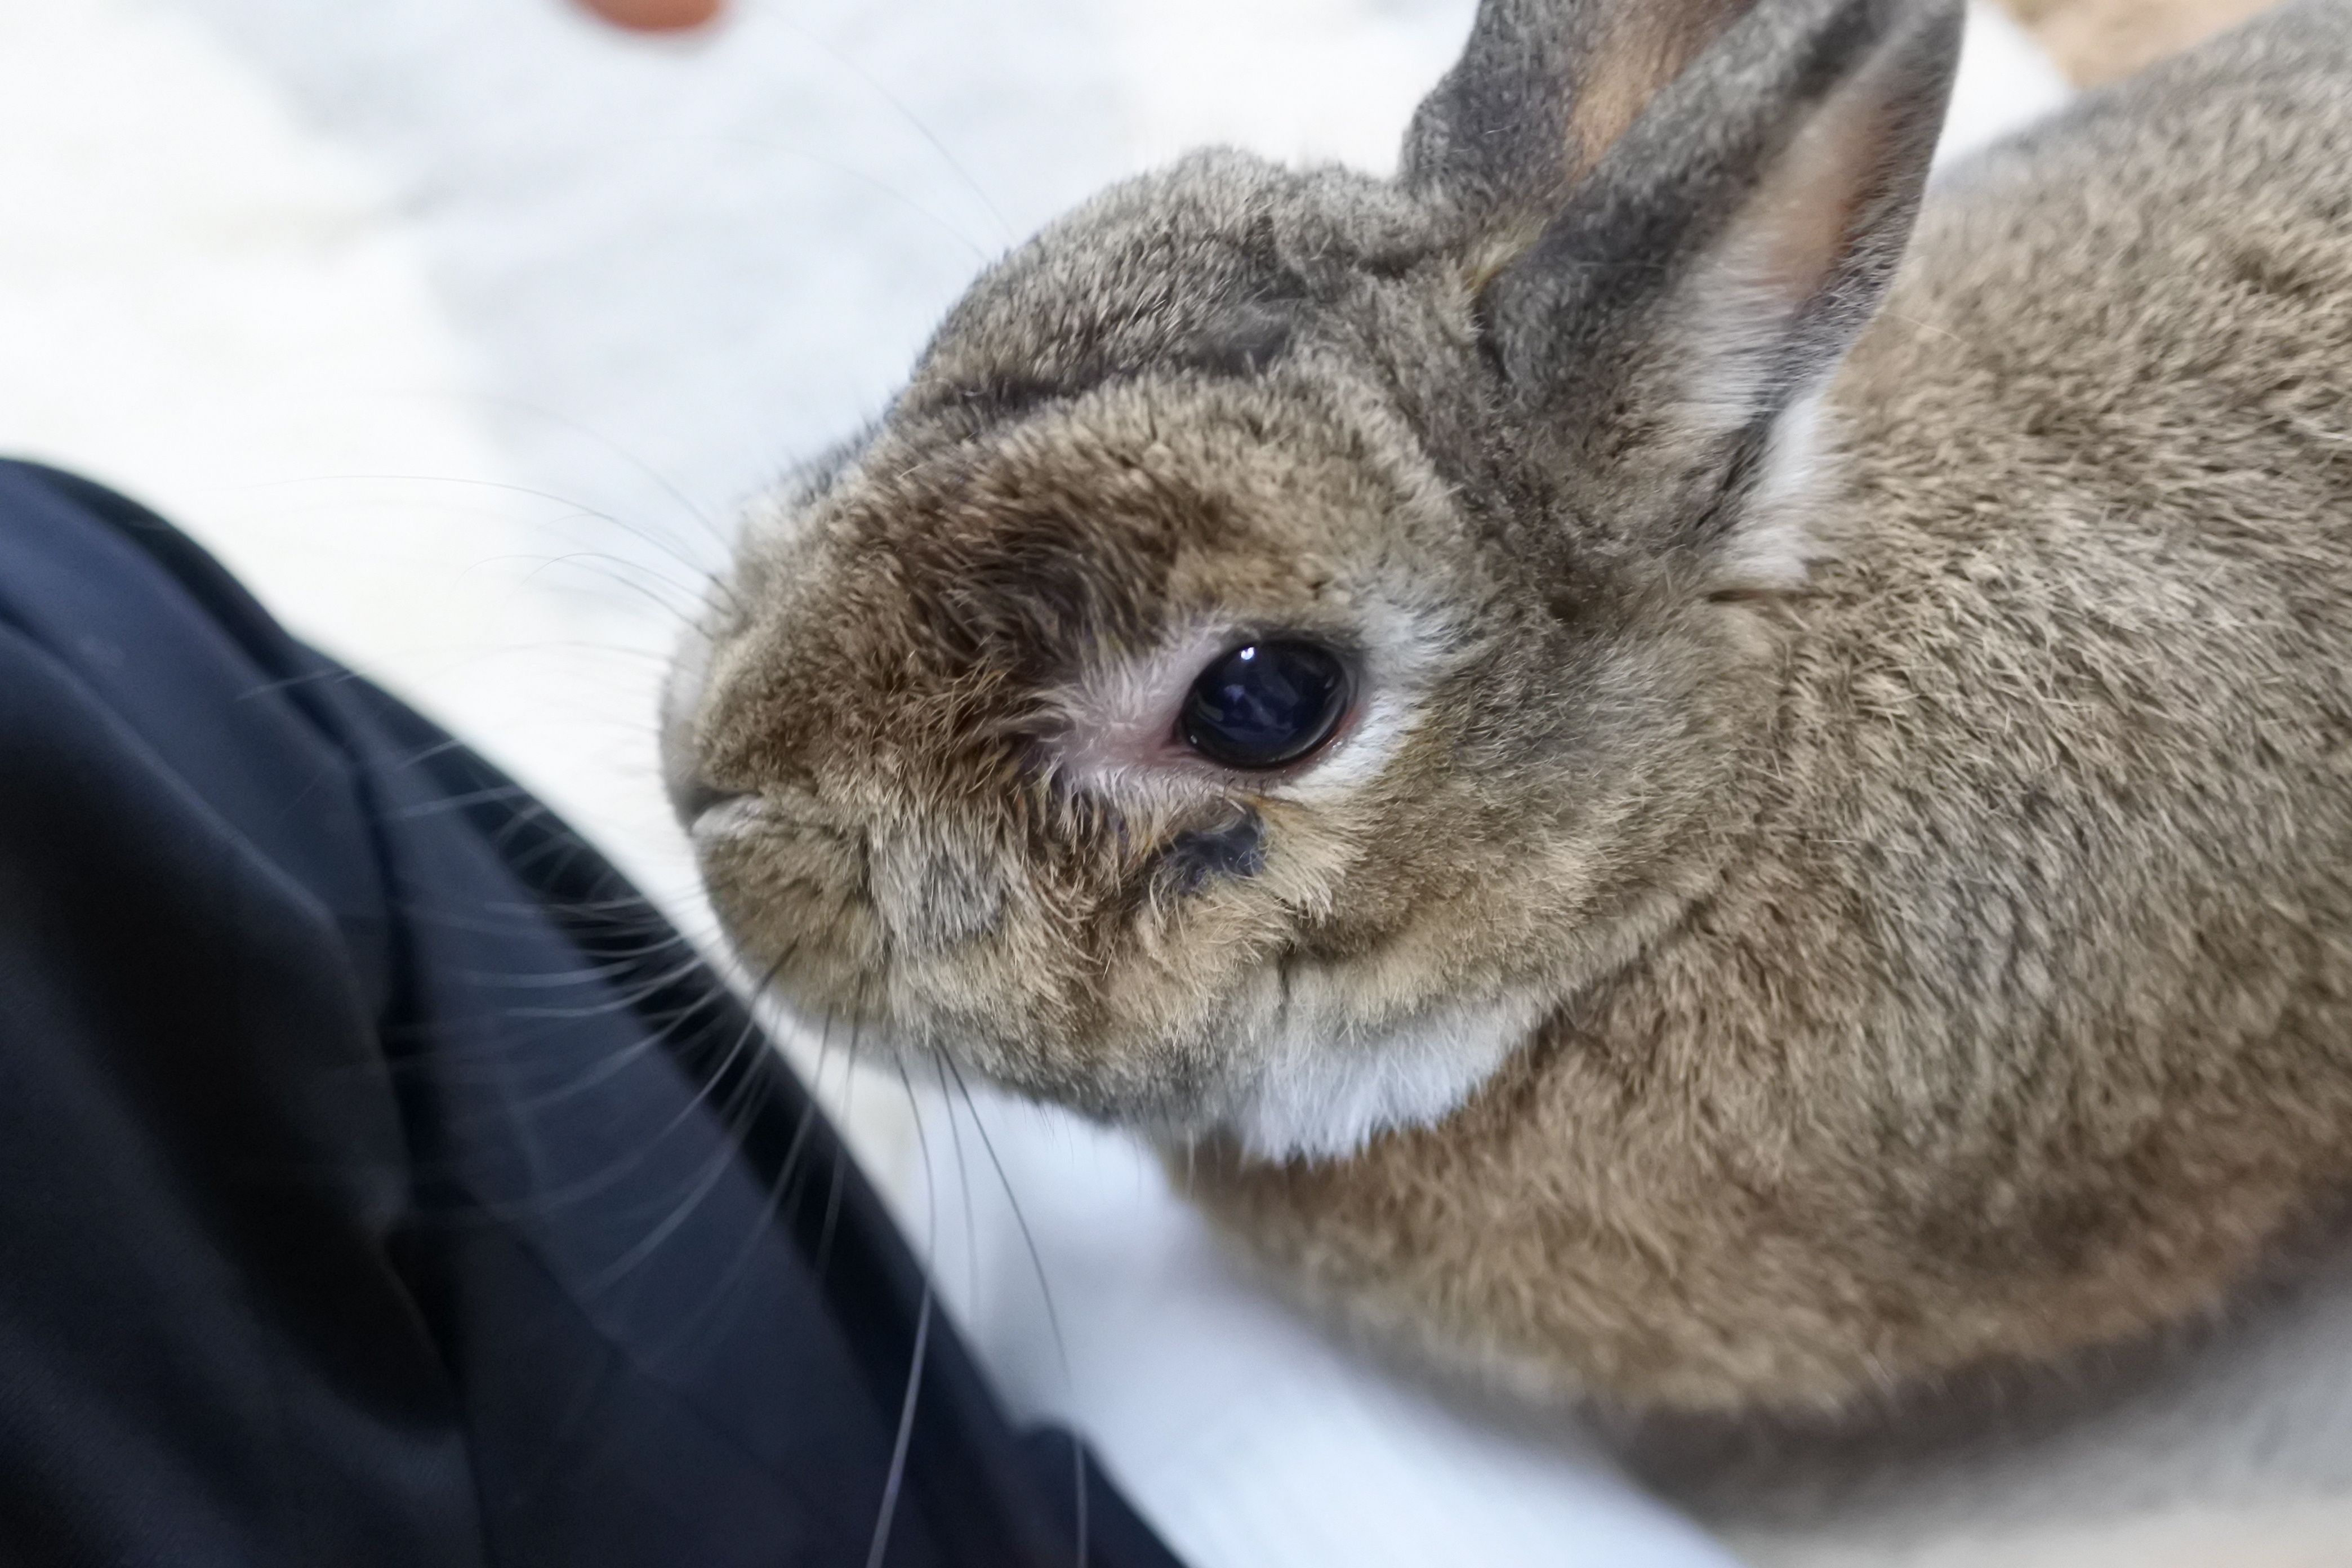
693, 797
690, 793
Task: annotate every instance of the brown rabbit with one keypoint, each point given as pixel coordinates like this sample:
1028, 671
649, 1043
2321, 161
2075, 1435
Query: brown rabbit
1633, 835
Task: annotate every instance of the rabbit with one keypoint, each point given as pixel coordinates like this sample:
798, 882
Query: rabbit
1656, 794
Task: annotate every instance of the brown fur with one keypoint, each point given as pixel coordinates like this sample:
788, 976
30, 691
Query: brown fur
1947, 961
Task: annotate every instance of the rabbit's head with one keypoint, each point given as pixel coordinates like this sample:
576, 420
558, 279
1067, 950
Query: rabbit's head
1294, 629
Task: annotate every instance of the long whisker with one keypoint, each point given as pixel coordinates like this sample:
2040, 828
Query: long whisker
909, 115
507, 487
576, 557
1045, 1288
840, 1153
779, 1190
963, 1185
846, 171
1029, 1240
707, 1183
898, 1472
669, 486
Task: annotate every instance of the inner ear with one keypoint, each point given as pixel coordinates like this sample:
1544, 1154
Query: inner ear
1812, 249
1543, 89
1641, 47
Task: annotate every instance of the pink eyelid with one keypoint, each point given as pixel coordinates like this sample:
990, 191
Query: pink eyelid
1129, 725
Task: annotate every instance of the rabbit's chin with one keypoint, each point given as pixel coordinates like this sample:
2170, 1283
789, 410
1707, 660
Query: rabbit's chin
1323, 1086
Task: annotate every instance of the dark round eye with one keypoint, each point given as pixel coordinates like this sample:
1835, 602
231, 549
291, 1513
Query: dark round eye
1265, 704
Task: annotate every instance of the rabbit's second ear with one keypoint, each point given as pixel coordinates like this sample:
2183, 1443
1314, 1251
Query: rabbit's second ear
1543, 89
1717, 263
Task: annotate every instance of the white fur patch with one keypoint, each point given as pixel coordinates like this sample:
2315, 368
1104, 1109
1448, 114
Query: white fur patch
1325, 1092
1772, 549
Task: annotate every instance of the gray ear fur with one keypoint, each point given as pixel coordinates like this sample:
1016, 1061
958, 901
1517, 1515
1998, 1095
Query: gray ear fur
1721, 253
1770, 190
1542, 90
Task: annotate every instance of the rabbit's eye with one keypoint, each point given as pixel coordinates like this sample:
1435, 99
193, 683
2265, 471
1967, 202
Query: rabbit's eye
1266, 705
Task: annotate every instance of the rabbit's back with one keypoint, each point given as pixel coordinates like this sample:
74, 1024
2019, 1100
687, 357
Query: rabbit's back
2085, 640
2146, 306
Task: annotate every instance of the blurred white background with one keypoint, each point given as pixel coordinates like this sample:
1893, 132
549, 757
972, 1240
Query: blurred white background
462, 327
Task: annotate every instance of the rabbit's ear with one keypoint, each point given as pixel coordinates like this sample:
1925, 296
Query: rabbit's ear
1542, 90
1714, 244
1724, 250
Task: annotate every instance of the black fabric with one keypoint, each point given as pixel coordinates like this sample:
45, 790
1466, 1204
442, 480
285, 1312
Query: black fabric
382, 1184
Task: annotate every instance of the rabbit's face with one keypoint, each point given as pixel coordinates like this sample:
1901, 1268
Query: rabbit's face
1295, 631
1183, 708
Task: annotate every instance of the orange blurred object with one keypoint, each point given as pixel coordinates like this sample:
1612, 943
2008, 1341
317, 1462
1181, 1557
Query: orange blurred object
2101, 40
657, 16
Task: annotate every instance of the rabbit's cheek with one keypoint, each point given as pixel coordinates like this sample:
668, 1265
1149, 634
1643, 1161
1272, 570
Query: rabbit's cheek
935, 898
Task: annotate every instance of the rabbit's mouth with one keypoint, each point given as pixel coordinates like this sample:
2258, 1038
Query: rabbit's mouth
1292, 1069
1317, 1088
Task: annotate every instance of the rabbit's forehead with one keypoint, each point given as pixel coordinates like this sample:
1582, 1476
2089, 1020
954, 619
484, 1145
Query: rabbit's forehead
1211, 265
1144, 501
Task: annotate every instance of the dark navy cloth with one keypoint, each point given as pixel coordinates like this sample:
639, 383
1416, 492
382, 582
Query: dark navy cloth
382, 1184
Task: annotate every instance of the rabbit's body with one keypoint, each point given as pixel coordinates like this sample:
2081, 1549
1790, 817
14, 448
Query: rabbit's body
1390, 688
2025, 1002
